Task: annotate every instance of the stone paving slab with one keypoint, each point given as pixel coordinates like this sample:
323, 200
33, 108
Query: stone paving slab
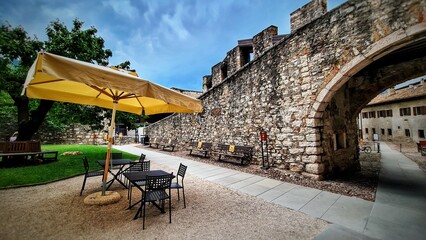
320, 204
209, 172
337, 232
400, 214
276, 192
228, 180
382, 229
349, 212
260, 187
297, 197
221, 175
202, 169
269, 183
245, 182
254, 189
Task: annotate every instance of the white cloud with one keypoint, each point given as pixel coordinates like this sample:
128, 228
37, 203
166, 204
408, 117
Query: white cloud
123, 8
175, 22
152, 8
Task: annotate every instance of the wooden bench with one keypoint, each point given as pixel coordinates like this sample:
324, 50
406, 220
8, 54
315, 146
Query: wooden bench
421, 147
200, 149
235, 154
169, 145
155, 143
30, 150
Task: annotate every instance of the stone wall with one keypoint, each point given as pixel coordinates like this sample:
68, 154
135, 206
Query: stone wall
263, 40
301, 89
307, 14
79, 134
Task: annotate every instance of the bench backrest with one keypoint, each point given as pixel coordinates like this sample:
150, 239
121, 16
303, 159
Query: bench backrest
206, 146
33, 146
223, 147
243, 149
237, 149
170, 141
20, 146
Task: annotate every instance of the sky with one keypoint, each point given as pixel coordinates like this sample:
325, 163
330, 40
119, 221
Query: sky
170, 42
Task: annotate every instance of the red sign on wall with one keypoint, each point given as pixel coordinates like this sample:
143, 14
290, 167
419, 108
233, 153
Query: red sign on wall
263, 136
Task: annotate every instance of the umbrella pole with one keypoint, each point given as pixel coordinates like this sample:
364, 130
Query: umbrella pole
108, 156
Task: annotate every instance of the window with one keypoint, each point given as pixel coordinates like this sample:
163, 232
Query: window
246, 55
374, 130
382, 130
364, 115
224, 70
405, 111
407, 132
421, 133
339, 141
419, 110
390, 131
366, 130
382, 113
389, 113
372, 114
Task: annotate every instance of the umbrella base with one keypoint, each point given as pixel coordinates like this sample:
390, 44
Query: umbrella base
97, 198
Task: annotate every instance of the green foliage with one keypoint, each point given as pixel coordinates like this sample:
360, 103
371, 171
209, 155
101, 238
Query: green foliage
83, 45
7, 110
17, 53
65, 167
63, 114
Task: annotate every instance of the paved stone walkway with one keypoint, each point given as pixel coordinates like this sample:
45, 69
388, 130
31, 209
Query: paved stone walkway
399, 211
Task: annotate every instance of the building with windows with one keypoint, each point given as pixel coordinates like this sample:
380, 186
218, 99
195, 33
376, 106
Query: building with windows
397, 115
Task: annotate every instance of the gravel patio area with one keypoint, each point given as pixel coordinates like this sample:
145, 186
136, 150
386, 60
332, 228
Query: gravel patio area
56, 211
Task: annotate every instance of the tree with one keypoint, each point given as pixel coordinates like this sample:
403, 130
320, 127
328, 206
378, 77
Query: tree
17, 53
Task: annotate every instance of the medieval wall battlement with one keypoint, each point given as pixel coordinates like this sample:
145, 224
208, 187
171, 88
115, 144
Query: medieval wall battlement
249, 49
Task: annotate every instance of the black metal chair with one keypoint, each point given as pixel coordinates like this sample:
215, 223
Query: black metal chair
115, 155
88, 174
142, 157
137, 167
179, 184
157, 188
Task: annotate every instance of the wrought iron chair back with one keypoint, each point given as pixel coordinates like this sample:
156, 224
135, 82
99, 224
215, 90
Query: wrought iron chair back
179, 182
88, 174
157, 188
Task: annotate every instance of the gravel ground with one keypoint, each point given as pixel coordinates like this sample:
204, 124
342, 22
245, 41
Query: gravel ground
56, 211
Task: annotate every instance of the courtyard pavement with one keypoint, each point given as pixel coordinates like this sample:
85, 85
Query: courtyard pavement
399, 211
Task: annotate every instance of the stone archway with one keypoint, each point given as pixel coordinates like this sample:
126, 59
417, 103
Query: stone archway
399, 57
393, 42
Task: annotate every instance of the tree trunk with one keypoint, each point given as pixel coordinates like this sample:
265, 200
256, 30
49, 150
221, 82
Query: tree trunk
30, 122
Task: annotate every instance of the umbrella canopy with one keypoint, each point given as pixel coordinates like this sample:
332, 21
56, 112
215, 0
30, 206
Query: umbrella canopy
57, 78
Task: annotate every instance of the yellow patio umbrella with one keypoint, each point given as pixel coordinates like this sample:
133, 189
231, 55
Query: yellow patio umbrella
58, 78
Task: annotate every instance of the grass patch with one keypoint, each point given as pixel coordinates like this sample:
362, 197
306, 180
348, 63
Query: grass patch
65, 167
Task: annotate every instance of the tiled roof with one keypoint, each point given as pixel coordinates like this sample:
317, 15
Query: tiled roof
412, 91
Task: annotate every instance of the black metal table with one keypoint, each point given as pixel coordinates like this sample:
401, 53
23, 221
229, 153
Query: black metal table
135, 177
116, 162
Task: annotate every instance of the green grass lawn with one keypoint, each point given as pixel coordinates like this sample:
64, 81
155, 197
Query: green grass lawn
65, 167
